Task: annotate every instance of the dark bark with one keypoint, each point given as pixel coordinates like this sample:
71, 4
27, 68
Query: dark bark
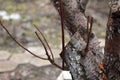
112, 45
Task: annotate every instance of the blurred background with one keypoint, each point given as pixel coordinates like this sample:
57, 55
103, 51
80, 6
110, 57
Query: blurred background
19, 16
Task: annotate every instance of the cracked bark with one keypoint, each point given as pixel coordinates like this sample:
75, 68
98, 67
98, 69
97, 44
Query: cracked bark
112, 45
81, 67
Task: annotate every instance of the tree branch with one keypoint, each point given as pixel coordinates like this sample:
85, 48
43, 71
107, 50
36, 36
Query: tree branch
45, 41
49, 58
20, 43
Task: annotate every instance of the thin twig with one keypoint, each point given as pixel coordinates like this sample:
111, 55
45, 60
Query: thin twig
20, 43
49, 58
45, 41
51, 61
62, 29
43, 46
90, 30
110, 12
88, 24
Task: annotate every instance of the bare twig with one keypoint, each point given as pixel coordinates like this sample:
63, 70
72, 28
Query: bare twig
43, 46
49, 58
109, 15
89, 25
45, 41
20, 43
62, 30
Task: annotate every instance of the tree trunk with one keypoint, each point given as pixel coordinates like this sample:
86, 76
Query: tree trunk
112, 45
83, 65
83, 55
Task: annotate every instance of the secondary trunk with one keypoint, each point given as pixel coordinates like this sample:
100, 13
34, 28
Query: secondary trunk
112, 45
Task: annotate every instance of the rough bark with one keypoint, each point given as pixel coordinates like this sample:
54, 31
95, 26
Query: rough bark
83, 55
112, 45
83, 65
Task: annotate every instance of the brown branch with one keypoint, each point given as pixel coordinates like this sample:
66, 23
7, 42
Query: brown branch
89, 25
51, 61
62, 30
20, 43
45, 41
49, 58
43, 46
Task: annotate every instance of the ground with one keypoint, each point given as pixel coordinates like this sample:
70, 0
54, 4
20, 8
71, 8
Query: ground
31, 72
